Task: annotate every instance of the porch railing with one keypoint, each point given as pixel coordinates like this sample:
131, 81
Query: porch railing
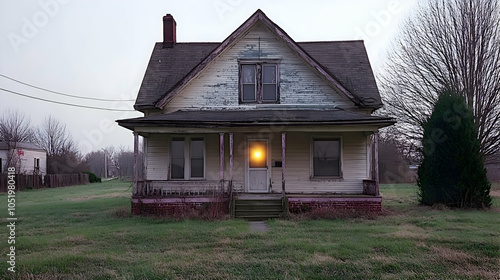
147, 188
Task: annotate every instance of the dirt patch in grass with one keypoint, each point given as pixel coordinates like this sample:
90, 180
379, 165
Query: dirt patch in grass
495, 193
452, 256
463, 263
78, 239
322, 258
409, 231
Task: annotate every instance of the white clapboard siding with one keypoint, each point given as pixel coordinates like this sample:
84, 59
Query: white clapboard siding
27, 161
298, 165
212, 163
298, 161
157, 157
3, 160
217, 85
239, 159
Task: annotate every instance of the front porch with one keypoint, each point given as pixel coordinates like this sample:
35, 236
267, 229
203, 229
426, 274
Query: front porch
299, 166
168, 199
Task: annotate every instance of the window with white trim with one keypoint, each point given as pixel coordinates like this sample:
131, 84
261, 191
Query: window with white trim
259, 82
187, 158
326, 158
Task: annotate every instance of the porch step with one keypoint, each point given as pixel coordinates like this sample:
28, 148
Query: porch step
257, 209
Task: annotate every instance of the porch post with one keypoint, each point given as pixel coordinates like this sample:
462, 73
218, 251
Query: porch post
221, 157
375, 163
230, 159
283, 163
136, 161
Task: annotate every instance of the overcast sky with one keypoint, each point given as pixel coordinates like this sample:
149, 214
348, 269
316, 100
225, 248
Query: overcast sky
100, 49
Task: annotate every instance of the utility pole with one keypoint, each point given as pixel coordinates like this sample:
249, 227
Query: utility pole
105, 165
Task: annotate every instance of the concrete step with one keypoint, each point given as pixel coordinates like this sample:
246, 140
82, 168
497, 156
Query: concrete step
257, 202
258, 206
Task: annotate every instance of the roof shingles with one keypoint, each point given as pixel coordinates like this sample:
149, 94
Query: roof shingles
167, 67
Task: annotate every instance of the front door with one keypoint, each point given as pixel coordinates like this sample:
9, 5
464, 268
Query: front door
258, 166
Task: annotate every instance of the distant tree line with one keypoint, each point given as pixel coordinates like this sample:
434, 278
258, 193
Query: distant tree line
63, 156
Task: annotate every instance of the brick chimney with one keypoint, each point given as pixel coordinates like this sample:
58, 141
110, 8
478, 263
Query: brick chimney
169, 28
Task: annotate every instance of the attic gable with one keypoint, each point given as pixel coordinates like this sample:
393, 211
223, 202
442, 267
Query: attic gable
258, 16
217, 86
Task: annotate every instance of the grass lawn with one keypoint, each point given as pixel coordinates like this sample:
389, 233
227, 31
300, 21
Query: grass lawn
83, 232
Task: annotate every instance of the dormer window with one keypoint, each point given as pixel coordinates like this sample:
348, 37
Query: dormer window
259, 82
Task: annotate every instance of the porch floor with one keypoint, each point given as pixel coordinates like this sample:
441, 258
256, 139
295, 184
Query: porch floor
272, 196
333, 195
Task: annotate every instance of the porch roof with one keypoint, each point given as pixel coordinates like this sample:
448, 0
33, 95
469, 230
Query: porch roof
245, 118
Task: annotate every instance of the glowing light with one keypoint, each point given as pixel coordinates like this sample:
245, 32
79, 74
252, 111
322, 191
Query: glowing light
257, 154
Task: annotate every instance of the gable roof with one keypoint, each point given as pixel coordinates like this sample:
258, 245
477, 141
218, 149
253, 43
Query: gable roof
21, 145
170, 69
349, 63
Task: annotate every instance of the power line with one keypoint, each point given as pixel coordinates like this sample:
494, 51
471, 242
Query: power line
67, 104
60, 93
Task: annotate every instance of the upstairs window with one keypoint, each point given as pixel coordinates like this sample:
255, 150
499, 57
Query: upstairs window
259, 82
249, 83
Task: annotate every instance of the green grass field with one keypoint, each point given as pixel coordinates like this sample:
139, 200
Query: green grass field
84, 232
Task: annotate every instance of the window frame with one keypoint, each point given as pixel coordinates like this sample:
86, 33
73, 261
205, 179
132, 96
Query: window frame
187, 158
36, 165
341, 157
259, 80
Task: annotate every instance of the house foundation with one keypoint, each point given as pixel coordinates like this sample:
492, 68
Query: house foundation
296, 204
355, 204
177, 206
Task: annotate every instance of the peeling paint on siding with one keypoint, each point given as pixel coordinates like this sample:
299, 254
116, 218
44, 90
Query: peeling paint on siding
217, 85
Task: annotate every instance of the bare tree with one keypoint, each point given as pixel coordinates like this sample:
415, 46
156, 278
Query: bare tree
53, 137
124, 162
95, 162
14, 128
447, 44
62, 154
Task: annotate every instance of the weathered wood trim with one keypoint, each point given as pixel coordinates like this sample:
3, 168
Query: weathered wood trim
231, 40
231, 159
221, 156
375, 163
283, 164
258, 78
259, 84
257, 129
278, 79
315, 137
136, 161
248, 139
263, 60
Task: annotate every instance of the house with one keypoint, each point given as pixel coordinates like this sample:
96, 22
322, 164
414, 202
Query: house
26, 158
257, 117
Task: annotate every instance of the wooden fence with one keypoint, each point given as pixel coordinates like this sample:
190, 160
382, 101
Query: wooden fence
25, 182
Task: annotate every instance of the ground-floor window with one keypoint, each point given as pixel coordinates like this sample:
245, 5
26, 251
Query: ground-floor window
36, 165
326, 158
187, 158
